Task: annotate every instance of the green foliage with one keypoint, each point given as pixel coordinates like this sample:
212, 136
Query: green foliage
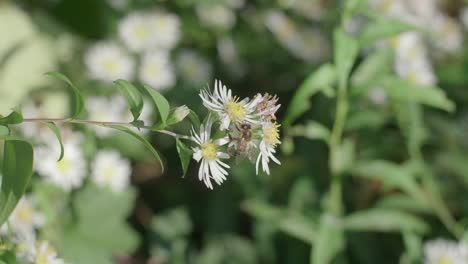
14, 117
161, 104
100, 231
17, 171
78, 98
383, 28
185, 155
329, 240
346, 50
133, 97
56, 132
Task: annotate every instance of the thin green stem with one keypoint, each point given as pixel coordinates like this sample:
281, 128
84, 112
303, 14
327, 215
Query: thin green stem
102, 123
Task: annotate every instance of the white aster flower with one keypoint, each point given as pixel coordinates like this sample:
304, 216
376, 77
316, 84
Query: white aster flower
106, 61
68, 173
135, 31
193, 67
46, 254
441, 251
448, 35
25, 219
165, 30
156, 70
229, 108
109, 169
106, 110
270, 139
209, 155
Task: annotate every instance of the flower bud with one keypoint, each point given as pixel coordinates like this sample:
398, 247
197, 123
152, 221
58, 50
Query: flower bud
178, 115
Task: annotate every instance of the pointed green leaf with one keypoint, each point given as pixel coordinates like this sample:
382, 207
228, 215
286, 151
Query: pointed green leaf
317, 81
195, 120
17, 171
160, 102
382, 29
185, 155
406, 91
56, 131
133, 97
14, 117
345, 53
141, 139
384, 220
79, 102
376, 65
329, 241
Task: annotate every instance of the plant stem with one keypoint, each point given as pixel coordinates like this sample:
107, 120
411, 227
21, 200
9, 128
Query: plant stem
103, 123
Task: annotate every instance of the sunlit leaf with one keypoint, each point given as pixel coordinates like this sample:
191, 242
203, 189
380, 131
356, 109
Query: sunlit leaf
160, 102
14, 117
133, 97
78, 98
17, 171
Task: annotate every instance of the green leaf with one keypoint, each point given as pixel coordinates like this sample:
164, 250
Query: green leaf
376, 65
56, 131
185, 155
343, 157
101, 232
391, 175
172, 224
4, 131
141, 139
7, 257
384, 220
195, 120
133, 97
14, 117
160, 102
79, 102
17, 171
329, 241
382, 29
317, 81
407, 91
311, 130
404, 202
288, 222
345, 53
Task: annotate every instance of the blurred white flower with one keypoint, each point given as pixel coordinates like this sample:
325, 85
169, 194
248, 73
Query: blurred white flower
235, 4
135, 31
118, 4
229, 56
464, 17
106, 61
412, 61
310, 9
110, 170
377, 95
209, 155
165, 30
194, 68
68, 173
229, 108
268, 143
106, 110
216, 15
24, 219
441, 251
156, 70
448, 35
46, 254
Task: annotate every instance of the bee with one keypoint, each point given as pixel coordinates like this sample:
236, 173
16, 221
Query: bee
243, 145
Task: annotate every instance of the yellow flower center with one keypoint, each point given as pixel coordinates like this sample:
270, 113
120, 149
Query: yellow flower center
43, 255
209, 151
110, 66
271, 134
64, 165
140, 32
444, 260
25, 214
235, 110
108, 173
154, 70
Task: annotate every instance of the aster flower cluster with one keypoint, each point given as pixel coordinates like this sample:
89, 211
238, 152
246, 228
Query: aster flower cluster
441, 251
248, 129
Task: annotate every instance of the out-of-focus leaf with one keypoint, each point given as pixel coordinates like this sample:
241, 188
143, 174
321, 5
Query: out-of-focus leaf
323, 77
17, 171
185, 155
404, 202
132, 96
455, 162
56, 132
101, 231
161, 104
382, 29
172, 224
376, 65
311, 130
329, 241
14, 117
391, 175
413, 247
345, 52
410, 120
7, 257
384, 220
79, 102
141, 139
288, 222
4, 131
351, 6
366, 119
240, 250
343, 158
406, 91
